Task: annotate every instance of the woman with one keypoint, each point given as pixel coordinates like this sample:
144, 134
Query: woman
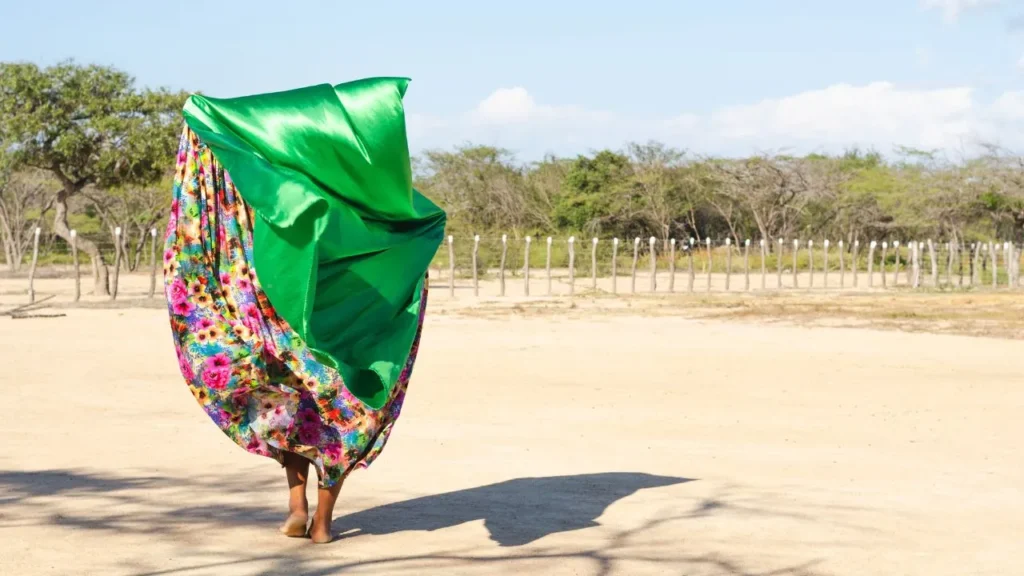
295, 267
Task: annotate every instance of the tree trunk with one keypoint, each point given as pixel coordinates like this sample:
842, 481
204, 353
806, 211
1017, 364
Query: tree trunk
12, 245
763, 230
13, 258
60, 227
140, 245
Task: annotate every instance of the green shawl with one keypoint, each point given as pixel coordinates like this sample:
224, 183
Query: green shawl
341, 240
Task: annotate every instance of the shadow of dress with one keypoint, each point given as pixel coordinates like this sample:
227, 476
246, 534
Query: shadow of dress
251, 373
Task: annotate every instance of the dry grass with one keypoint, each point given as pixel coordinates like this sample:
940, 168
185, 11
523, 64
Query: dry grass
991, 314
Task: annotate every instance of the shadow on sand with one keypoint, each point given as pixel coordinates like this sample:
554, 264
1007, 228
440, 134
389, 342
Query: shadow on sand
515, 513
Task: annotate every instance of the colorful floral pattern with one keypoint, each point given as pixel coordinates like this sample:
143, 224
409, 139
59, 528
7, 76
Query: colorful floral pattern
245, 366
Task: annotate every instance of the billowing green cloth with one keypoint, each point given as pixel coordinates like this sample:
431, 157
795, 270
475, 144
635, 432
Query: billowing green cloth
341, 240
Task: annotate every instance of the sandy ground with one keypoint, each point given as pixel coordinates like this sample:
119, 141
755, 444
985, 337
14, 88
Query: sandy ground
604, 436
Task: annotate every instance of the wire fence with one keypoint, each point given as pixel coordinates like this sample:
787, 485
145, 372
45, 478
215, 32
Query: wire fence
550, 266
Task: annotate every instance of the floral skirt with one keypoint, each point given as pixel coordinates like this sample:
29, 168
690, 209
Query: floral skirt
250, 372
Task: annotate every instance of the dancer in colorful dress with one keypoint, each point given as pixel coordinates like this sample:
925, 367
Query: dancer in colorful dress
295, 267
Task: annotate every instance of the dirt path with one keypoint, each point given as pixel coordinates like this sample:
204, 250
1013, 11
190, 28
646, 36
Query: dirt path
598, 443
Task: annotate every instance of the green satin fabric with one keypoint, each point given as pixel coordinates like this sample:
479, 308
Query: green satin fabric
341, 240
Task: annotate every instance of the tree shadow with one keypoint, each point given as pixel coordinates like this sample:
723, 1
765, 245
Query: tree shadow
515, 512
518, 514
144, 504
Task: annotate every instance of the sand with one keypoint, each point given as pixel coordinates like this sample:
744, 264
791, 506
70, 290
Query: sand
600, 438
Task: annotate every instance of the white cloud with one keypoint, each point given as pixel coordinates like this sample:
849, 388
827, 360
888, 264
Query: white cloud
952, 9
510, 106
506, 106
877, 116
1009, 107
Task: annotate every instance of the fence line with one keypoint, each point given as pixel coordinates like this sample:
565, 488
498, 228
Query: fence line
811, 265
979, 264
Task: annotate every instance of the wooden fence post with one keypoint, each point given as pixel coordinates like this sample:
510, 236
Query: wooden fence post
915, 249
117, 262
1006, 264
689, 257
796, 250
707, 244
547, 266
842, 266
572, 265
826, 264
810, 261
764, 280
476, 266
949, 263
778, 262
615, 265
972, 261
910, 264
593, 264
853, 263
885, 249
909, 268
451, 266
978, 261
654, 265
152, 264
871, 264
956, 250
934, 262
995, 264
972, 264
672, 266
501, 270
526, 267
921, 247
728, 263
1015, 265
982, 264
32, 268
636, 260
962, 249
746, 264
896, 269
1009, 254
74, 260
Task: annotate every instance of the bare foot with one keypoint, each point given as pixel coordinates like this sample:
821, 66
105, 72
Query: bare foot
295, 526
296, 470
320, 532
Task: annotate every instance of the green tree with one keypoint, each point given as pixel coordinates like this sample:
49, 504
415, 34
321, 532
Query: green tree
597, 195
480, 186
659, 186
86, 126
544, 190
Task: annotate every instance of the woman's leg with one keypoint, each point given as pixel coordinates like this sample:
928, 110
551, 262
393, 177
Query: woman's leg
320, 529
297, 471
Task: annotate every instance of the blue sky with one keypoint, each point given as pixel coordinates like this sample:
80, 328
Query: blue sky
566, 76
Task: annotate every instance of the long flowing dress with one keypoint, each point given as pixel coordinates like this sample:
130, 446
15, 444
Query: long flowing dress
294, 265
